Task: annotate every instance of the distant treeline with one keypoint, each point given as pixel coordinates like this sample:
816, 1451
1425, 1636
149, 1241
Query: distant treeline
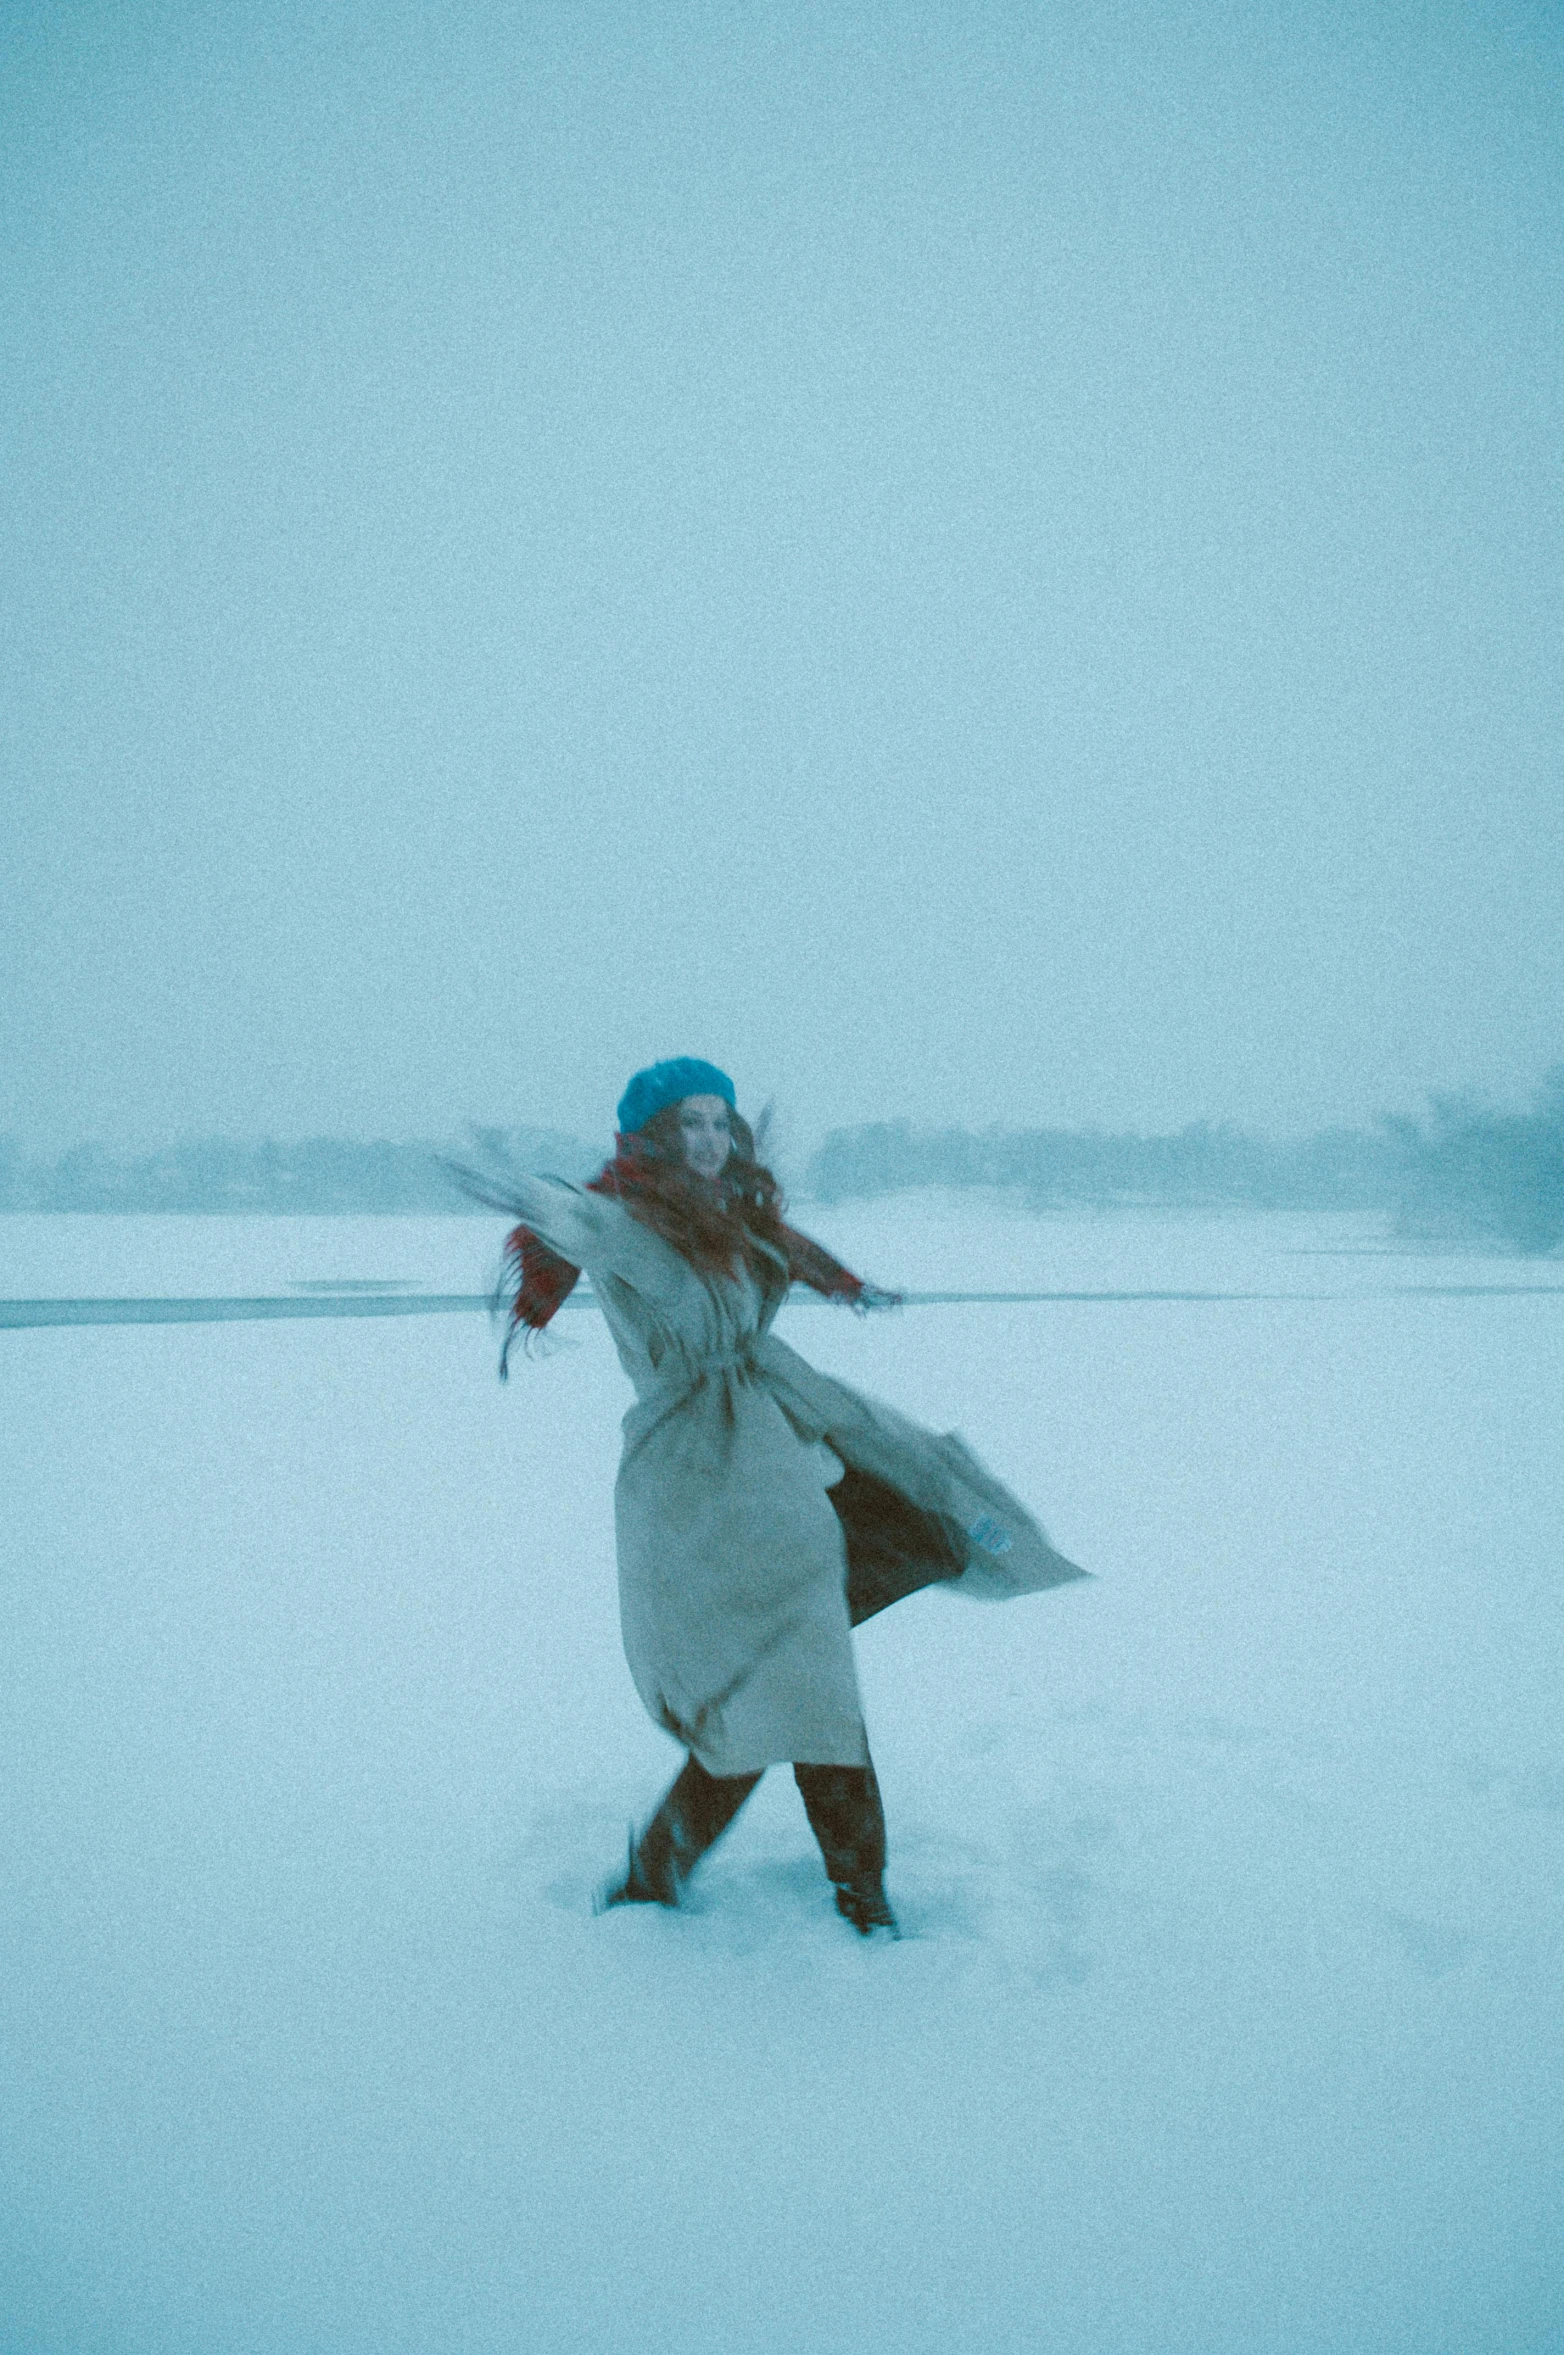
1467, 1171
324, 1174
1463, 1173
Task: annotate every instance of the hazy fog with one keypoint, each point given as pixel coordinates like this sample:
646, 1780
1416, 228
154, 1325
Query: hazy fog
990, 562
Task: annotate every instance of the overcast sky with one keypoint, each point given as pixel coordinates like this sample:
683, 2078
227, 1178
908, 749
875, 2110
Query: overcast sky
986, 562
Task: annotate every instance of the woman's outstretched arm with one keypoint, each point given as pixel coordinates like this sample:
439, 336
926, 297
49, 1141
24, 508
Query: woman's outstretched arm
572, 1222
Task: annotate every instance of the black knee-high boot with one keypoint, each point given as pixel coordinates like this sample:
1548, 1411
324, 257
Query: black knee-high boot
695, 1813
845, 1815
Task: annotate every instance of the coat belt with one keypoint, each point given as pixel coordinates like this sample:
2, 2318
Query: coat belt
686, 1373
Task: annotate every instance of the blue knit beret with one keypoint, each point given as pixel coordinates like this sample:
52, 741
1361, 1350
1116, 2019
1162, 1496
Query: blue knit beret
661, 1084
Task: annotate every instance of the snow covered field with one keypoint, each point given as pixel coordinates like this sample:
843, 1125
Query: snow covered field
1227, 2020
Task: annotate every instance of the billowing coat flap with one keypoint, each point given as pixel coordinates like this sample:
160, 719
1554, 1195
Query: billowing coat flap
1006, 1550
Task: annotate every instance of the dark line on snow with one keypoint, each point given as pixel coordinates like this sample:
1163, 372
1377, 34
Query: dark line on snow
18, 1315
14, 1313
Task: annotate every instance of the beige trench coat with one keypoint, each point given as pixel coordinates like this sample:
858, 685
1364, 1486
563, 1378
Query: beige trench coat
732, 1567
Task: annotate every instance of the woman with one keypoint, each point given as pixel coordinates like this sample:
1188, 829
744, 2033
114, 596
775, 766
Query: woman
760, 1508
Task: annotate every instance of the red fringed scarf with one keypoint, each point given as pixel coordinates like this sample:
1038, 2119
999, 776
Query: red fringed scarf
536, 1282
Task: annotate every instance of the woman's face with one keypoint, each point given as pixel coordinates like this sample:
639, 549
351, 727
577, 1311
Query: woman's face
707, 1137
